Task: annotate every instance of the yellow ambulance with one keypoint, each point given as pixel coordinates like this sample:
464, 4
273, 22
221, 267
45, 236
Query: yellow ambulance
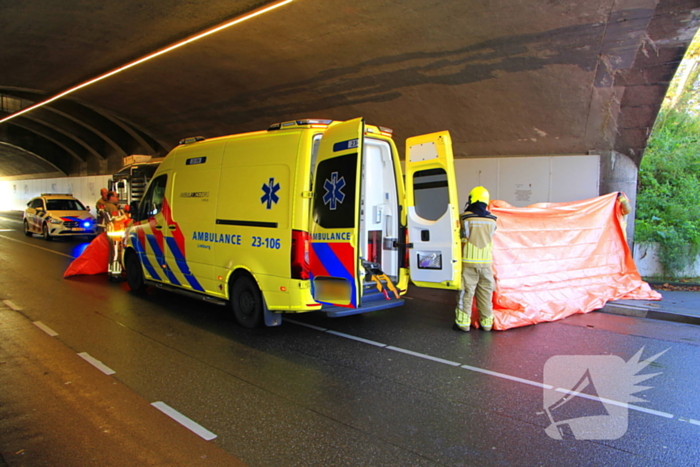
288, 219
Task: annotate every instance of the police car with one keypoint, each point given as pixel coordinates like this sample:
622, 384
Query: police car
58, 215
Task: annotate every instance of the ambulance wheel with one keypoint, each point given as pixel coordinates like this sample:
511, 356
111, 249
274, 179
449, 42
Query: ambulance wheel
45, 232
134, 273
27, 232
246, 302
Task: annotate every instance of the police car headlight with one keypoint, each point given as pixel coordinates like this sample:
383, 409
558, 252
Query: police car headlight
56, 221
87, 224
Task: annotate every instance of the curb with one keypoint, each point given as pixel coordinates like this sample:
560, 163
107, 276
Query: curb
646, 312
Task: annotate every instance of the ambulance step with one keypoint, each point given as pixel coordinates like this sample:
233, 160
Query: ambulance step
339, 311
374, 295
195, 295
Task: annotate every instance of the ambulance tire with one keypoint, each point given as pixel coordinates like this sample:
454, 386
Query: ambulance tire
27, 232
45, 232
246, 302
134, 273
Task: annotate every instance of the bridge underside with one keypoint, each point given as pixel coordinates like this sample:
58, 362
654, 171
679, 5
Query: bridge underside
506, 78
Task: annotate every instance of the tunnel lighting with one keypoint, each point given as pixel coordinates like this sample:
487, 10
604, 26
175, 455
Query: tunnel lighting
139, 61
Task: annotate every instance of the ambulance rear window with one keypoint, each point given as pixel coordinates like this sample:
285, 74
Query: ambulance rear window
431, 193
334, 192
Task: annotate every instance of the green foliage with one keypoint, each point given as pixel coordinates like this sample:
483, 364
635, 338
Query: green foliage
668, 197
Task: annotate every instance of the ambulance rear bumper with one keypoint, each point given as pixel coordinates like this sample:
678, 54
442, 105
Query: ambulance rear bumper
371, 301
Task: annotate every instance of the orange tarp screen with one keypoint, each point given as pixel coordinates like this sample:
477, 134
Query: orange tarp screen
93, 260
553, 260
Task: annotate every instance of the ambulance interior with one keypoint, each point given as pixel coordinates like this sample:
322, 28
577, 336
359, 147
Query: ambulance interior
379, 208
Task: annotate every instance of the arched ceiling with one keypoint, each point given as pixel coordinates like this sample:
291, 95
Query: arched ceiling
506, 78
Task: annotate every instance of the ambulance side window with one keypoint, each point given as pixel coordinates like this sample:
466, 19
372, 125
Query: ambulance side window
431, 194
152, 202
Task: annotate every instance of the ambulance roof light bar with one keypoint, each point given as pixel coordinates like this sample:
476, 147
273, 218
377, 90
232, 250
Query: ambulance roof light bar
307, 121
190, 140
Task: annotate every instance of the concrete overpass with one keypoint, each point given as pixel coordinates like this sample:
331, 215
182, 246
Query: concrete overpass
507, 78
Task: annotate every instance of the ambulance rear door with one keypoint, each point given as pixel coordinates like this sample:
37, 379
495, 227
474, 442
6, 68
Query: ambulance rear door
432, 212
334, 225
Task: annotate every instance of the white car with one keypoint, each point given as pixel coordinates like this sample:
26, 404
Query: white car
55, 215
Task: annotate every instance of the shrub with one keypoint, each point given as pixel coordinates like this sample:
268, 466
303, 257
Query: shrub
668, 194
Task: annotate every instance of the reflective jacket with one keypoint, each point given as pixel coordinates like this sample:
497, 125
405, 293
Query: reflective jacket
477, 238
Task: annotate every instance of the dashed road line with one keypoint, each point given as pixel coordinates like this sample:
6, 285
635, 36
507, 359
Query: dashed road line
493, 373
36, 246
355, 338
184, 420
508, 377
96, 363
45, 328
5, 218
12, 305
422, 355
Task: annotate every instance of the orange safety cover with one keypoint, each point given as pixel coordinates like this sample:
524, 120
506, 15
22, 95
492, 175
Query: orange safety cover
553, 260
93, 260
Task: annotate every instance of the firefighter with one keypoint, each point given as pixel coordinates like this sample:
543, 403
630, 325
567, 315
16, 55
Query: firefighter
99, 208
625, 209
116, 220
477, 228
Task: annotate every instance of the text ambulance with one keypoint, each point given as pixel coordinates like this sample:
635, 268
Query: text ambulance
284, 220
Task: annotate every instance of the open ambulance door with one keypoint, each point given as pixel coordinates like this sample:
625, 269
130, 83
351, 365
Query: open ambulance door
432, 212
335, 218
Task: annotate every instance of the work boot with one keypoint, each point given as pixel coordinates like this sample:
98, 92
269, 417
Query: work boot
486, 323
455, 327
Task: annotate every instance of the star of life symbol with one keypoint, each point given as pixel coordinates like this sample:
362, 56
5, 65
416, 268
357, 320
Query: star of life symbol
270, 195
333, 189
587, 396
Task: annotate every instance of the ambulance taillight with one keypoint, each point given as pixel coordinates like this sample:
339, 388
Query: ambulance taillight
300, 255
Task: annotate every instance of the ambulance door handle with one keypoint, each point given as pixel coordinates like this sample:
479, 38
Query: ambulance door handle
159, 227
172, 227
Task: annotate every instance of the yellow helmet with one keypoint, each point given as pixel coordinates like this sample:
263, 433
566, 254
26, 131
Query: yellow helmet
479, 193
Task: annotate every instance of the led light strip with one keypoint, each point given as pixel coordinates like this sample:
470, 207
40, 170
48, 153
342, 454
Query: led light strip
189, 40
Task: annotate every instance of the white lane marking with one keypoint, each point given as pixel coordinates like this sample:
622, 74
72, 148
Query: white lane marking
45, 328
491, 373
7, 230
422, 355
35, 246
617, 403
184, 421
11, 305
311, 326
97, 364
509, 377
10, 219
355, 338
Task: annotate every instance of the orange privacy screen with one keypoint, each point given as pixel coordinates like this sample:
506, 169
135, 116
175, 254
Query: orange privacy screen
93, 260
552, 260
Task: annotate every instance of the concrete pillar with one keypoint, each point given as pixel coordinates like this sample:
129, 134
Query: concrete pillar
618, 172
